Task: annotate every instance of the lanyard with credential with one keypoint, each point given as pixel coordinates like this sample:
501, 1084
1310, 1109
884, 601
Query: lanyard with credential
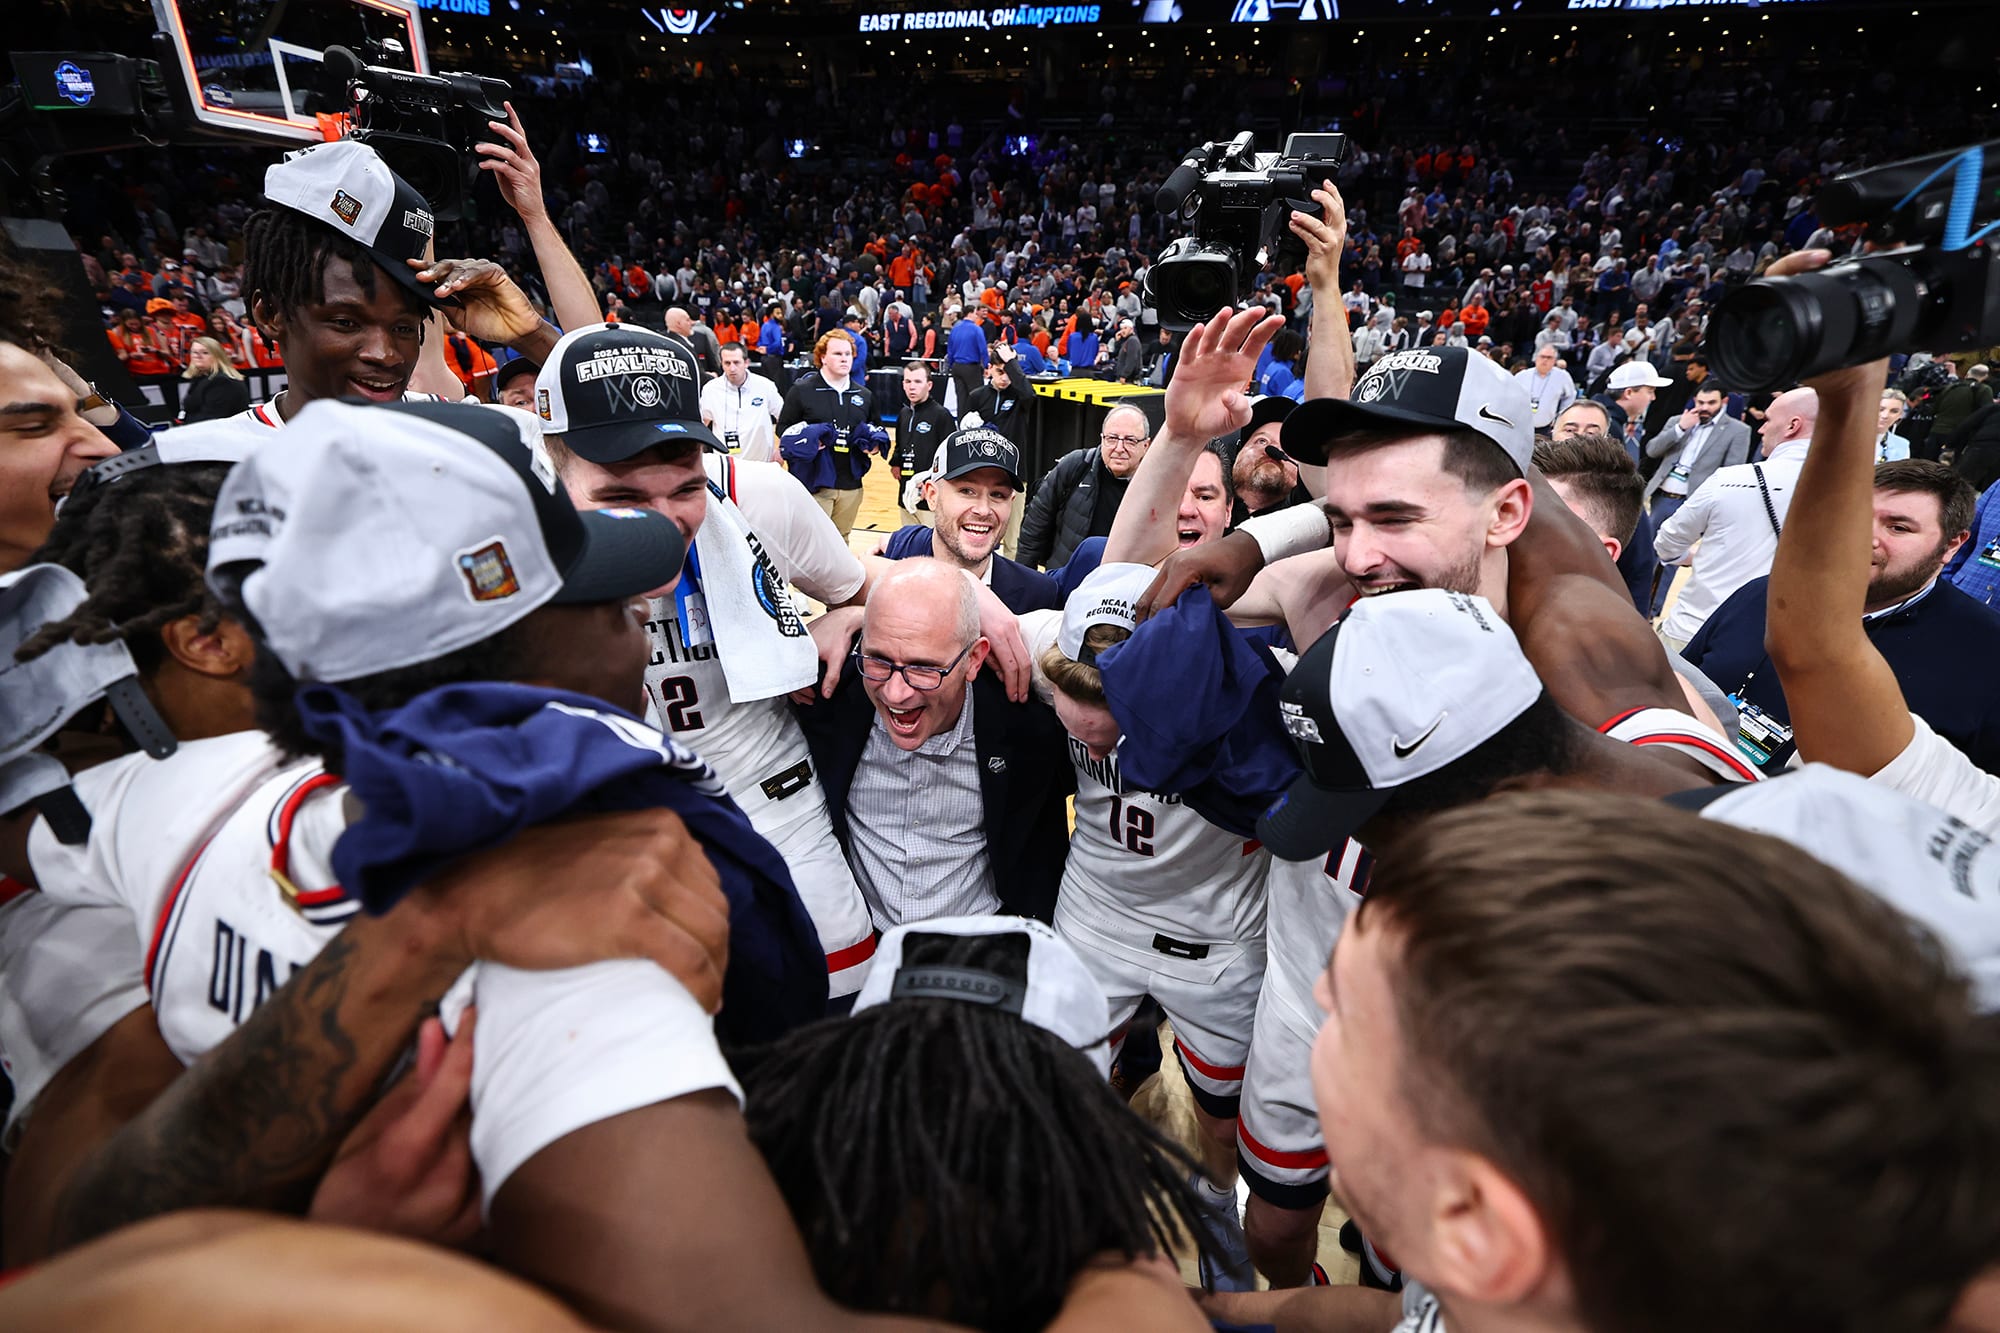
690, 607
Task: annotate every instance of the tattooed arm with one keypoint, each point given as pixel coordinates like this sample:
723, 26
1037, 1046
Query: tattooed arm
255, 1121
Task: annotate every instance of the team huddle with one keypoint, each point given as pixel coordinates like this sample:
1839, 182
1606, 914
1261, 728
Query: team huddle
514, 864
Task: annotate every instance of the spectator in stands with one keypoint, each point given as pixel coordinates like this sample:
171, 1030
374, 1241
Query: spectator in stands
213, 387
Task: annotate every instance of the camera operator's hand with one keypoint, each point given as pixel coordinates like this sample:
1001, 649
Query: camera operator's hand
491, 308
1219, 359
514, 167
1325, 237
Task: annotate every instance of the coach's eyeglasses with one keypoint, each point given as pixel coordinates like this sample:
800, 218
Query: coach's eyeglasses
1129, 441
917, 677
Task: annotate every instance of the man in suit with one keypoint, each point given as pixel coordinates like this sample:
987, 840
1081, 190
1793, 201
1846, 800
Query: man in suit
1696, 443
946, 796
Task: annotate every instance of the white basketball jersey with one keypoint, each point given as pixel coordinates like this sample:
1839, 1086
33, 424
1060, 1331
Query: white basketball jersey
747, 744
1310, 902
252, 907
1678, 731
1142, 864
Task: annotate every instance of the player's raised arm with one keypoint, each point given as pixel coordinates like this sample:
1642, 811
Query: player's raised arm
519, 177
1330, 358
1208, 398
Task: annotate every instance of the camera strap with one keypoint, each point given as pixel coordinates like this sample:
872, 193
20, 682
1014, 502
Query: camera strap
1770, 510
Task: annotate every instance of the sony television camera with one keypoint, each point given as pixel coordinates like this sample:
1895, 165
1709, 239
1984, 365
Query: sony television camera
422, 124
1237, 205
1935, 291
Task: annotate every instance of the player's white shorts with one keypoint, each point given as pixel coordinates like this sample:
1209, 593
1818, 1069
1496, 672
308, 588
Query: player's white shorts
1279, 1145
1211, 1001
833, 900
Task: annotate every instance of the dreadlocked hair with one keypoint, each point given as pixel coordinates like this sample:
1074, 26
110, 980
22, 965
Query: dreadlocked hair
140, 545
284, 260
949, 1160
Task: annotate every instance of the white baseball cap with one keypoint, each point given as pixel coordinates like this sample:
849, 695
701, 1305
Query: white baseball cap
1401, 686
384, 536
1931, 867
1060, 996
1636, 374
1108, 595
38, 697
347, 186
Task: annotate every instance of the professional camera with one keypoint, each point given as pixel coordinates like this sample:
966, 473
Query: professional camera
1237, 203
421, 124
1935, 292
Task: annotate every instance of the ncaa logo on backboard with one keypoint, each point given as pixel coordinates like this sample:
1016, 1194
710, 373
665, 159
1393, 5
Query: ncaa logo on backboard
489, 574
345, 207
646, 391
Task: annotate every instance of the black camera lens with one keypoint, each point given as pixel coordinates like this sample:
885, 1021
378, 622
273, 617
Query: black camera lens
1774, 332
1190, 281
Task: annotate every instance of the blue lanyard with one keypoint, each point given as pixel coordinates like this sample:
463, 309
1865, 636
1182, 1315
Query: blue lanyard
686, 590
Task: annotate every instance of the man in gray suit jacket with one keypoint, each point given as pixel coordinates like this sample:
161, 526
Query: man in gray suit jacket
1695, 444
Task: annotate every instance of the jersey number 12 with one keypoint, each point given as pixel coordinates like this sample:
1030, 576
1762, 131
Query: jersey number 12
1132, 826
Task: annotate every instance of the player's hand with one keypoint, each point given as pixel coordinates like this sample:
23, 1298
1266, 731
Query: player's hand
1218, 360
632, 884
1226, 566
1007, 651
833, 635
407, 1168
1326, 238
514, 167
491, 308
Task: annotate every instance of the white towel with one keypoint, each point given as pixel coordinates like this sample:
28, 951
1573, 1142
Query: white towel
741, 602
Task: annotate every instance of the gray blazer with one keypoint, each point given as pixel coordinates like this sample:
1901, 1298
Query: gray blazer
1733, 448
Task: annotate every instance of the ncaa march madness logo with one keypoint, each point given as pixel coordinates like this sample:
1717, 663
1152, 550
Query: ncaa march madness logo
74, 84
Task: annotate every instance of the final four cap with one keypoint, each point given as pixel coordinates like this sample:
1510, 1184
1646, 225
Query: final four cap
1060, 994
613, 391
976, 447
347, 186
1422, 390
1402, 685
381, 537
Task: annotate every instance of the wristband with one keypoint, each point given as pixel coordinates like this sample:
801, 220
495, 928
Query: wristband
1297, 530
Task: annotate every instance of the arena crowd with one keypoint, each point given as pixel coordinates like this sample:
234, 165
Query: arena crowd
535, 793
